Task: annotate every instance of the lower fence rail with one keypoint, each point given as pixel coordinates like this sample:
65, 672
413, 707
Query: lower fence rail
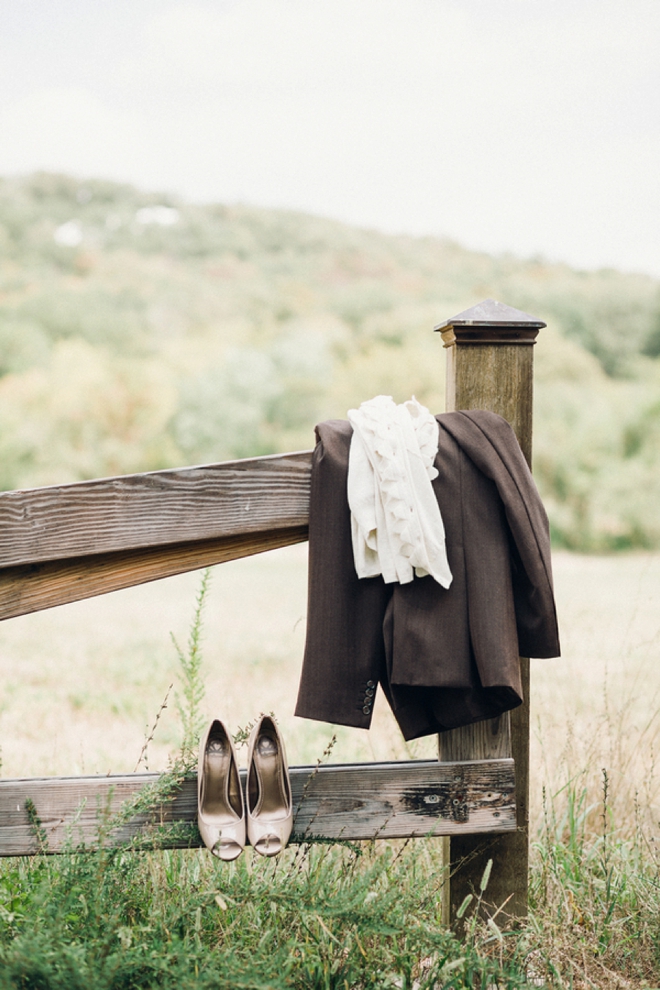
332, 803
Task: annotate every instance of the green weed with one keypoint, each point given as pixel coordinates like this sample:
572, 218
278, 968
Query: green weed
192, 683
353, 916
347, 918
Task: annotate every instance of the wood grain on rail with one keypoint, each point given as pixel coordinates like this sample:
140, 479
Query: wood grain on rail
157, 509
33, 587
354, 801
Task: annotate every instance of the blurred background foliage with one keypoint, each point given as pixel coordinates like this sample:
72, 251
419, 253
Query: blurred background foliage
138, 332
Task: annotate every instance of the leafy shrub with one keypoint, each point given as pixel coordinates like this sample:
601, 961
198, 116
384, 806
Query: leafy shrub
244, 327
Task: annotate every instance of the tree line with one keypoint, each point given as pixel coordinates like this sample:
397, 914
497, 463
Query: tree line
139, 331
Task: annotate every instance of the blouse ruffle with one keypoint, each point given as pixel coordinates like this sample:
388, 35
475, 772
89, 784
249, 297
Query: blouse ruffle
396, 525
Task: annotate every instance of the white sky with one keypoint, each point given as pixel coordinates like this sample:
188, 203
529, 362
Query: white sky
530, 126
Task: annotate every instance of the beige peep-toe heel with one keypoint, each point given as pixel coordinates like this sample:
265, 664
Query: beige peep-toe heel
220, 808
269, 804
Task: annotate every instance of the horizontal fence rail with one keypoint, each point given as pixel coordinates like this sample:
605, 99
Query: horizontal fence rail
68, 542
155, 509
349, 802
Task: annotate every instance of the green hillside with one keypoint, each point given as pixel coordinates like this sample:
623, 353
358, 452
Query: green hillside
138, 331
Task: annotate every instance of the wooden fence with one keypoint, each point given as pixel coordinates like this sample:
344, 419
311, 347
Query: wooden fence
69, 542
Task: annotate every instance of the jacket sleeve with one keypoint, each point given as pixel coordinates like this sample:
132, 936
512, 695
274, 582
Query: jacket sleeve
489, 441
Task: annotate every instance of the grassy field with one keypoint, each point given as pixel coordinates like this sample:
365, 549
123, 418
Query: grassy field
81, 685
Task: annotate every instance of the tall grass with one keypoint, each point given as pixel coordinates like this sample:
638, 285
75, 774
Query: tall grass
322, 917
351, 915
346, 916
595, 892
189, 700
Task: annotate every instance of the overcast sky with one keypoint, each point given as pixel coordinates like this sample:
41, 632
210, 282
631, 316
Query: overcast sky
530, 126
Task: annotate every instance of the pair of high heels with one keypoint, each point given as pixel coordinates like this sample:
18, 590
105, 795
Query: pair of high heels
224, 817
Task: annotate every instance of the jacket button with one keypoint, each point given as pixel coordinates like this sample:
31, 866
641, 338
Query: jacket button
370, 684
369, 692
366, 710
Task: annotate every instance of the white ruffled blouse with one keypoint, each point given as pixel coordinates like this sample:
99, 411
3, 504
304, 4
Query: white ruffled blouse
396, 524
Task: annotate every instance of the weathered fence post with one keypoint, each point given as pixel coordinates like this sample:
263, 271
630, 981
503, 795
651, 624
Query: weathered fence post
490, 366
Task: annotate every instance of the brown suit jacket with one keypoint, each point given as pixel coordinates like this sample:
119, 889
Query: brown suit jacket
444, 657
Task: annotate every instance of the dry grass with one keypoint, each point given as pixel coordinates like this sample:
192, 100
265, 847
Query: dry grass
597, 708
80, 684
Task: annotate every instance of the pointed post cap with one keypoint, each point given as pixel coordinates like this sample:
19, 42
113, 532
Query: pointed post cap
490, 322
